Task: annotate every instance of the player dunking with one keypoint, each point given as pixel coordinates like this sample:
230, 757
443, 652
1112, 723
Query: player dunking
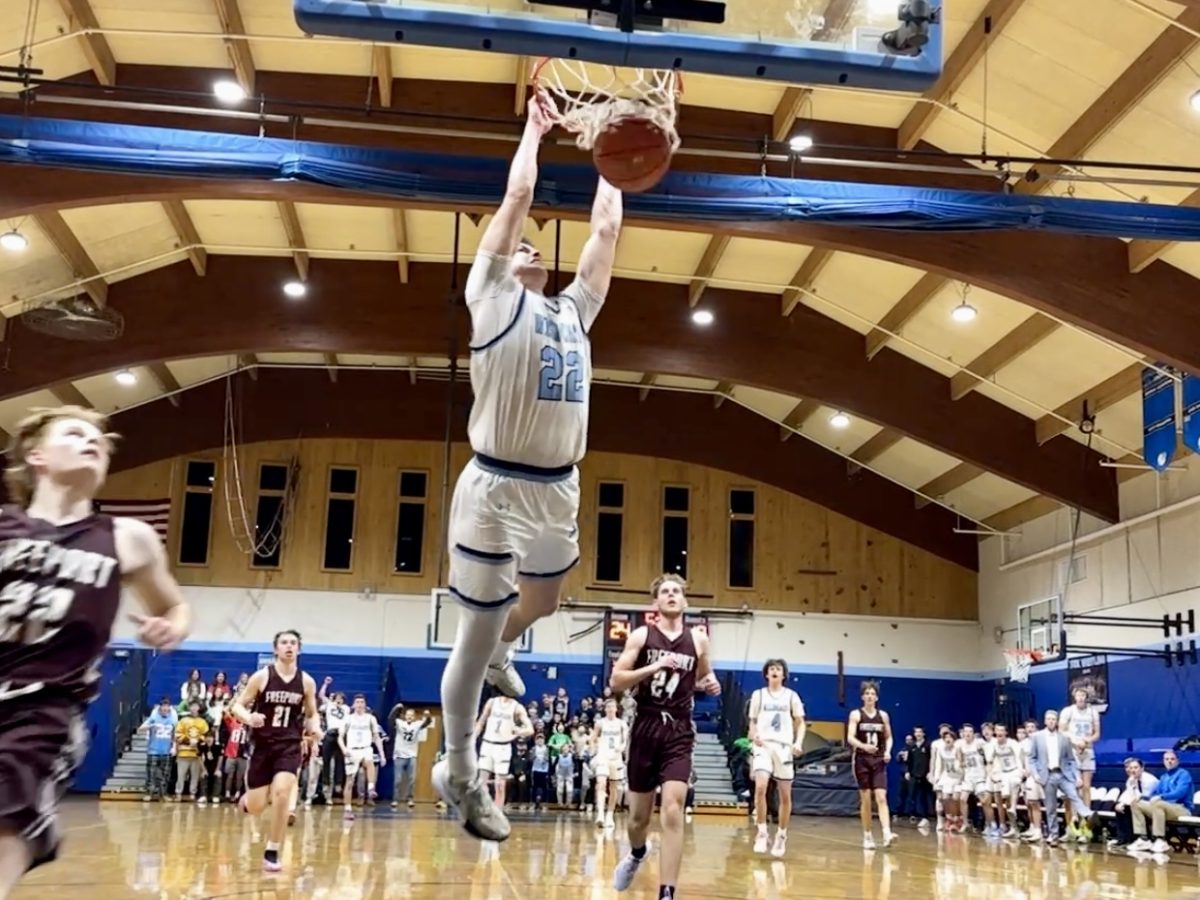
777, 729
667, 663
513, 532
610, 738
61, 572
280, 703
870, 734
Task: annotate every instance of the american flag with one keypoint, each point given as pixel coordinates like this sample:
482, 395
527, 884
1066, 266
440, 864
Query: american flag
155, 513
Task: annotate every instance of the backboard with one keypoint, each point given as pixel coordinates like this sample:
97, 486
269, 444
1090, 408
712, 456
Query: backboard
1040, 627
789, 41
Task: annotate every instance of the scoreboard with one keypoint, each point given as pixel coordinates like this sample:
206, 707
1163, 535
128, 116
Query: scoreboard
620, 623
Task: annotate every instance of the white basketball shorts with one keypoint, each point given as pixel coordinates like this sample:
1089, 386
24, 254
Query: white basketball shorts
508, 520
495, 758
1033, 789
1008, 784
949, 786
977, 784
775, 759
355, 757
610, 765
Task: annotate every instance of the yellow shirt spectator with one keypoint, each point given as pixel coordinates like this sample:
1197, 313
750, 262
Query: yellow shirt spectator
188, 734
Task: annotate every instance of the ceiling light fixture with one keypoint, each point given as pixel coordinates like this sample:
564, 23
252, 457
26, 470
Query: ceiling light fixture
839, 420
126, 378
800, 143
1195, 101
13, 240
295, 289
228, 91
702, 317
964, 312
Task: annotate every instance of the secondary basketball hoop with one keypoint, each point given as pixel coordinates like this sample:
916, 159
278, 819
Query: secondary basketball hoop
1019, 662
627, 122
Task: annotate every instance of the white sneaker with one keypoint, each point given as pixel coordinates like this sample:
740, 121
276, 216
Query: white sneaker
924, 823
481, 817
505, 678
1011, 833
941, 825
760, 842
888, 839
868, 842
626, 871
1141, 845
1160, 846
780, 846
609, 822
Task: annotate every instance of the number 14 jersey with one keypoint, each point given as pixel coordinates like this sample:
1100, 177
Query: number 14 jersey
669, 691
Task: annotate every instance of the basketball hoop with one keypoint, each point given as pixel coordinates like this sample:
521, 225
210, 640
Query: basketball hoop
593, 98
1019, 662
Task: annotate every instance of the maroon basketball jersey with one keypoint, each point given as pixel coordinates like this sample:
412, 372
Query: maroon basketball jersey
870, 728
282, 704
668, 690
60, 588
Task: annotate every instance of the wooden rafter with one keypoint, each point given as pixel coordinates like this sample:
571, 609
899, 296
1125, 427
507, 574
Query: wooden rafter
946, 482
295, 236
1143, 252
717, 245
1110, 391
804, 279
1025, 511
995, 16
63, 238
794, 421
381, 71
1020, 340
99, 55
521, 85
240, 56
5, 437
249, 362
907, 307
647, 382
788, 110
167, 383
331, 362
882, 441
65, 392
1154, 63
722, 392
400, 226
189, 238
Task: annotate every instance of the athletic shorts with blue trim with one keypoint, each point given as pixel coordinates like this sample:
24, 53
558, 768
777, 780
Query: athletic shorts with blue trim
508, 520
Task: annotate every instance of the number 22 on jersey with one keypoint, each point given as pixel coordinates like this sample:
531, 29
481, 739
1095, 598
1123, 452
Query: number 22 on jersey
561, 377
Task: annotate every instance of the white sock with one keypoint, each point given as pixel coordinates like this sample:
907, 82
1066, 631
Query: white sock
601, 796
370, 786
780, 833
500, 654
462, 684
272, 845
762, 829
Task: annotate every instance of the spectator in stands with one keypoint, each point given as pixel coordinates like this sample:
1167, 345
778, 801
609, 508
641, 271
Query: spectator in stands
211, 753
189, 734
220, 689
547, 709
918, 770
562, 704
192, 691
237, 752
586, 716
1138, 784
564, 774
242, 681
539, 771
1167, 801
161, 726
558, 739
906, 783
519, 770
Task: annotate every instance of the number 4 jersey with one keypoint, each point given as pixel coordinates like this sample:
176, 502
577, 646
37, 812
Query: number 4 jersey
777, 713
531, 367
669, 691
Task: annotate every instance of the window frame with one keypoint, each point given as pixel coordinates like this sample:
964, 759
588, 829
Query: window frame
331, 495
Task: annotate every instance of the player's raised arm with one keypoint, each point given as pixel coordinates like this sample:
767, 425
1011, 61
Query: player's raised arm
624, 675
599, 252
240, 708
144, 568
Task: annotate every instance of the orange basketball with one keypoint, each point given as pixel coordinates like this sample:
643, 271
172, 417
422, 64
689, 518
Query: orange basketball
632, 154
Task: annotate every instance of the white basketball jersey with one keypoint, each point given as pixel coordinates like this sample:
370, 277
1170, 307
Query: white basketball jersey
531, 367
613, 733
949, 758
775, 713
1078, 723
501, 723
360, 731
973, 757
1005, 756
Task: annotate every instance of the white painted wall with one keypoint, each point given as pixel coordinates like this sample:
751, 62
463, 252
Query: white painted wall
238, 618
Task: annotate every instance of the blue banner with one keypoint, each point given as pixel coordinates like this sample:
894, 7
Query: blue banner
1191, 412
1158, 418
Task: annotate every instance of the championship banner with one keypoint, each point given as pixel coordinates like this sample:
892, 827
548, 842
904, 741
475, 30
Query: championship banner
1091, 674
1158, 418
1191, 412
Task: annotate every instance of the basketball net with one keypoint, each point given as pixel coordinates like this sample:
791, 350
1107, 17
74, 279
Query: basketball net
591, 98
1019, 663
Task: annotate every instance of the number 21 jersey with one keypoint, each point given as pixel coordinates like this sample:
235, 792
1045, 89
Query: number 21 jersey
670, 691
282, 704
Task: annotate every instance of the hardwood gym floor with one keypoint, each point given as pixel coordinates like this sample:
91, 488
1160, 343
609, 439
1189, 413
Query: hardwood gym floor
129, 850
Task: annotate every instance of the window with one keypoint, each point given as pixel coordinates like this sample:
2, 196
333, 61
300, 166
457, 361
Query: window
741, 538
269, 516
339, 519
200, 477
610, 523
410, 522
675, 506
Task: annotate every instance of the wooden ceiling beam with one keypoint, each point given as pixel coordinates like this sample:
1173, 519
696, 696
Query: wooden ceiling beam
952, 480
800, 414
67, 394
1020, 340
906, 307
381, 71
1025, 511
521, 85
961, 63
82, 17
717, 245
400, 227
63, 238
331, 363
189, 237
647, 383
787, 111
249, 362
167, 383
1154, 64
240, 57
804, 279
1109, 392
295, 237
1142, 252
722, 392
876, 446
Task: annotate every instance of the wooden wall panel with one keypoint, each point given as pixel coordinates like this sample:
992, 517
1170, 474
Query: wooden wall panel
807, 558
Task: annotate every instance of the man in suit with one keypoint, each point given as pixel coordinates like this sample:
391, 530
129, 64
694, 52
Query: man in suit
1053, 763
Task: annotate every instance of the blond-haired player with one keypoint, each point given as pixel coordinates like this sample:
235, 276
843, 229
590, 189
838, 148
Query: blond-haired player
501, 722
513, 531
62, 567
1080, 722
777, 728
610, 745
